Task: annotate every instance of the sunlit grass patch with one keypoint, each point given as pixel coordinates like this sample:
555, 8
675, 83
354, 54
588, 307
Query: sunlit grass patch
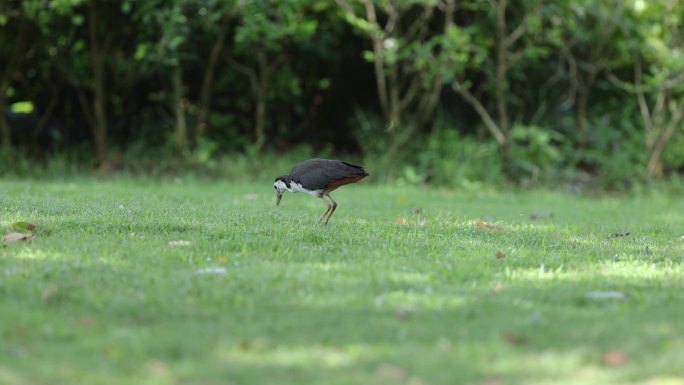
203, 282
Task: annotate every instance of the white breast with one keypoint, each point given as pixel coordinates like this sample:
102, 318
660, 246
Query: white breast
296, 187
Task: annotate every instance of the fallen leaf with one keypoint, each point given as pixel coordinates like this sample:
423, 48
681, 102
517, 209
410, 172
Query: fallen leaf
11, 237
513, 339
157, 367
179, 243
403, 312
402, 220
49, 292
23, 226
491, 381
86, 320
534, 216
606, 295
391, 372
443, 343
486, 225
614, 357
245, 345
500, 254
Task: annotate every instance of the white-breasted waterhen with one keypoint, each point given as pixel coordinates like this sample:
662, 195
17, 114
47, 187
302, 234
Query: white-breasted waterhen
318, 177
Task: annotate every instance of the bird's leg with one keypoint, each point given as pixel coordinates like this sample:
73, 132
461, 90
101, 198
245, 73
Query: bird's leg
326, 210
332, 208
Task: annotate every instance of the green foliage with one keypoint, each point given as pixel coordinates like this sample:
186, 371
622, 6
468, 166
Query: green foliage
312, 64
536, 151
448, 158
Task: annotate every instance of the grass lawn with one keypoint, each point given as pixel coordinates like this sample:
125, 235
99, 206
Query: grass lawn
264, 295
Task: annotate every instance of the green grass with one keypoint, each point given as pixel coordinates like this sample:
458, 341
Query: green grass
99, 297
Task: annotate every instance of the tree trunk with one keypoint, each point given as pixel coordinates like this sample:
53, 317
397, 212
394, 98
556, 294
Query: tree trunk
583, 91
258, 79
260, 95
5, 137
503, 40
502, 66
15, 60
99, 127
506, 161
260, 118
500, 136
581, 116
181, 126
379, 61
654, 166
44, 118
207, 81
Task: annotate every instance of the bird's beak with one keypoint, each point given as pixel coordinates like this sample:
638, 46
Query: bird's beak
279, 196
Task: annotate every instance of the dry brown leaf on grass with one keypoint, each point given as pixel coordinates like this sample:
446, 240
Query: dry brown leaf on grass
391, 372
491, 381
486, 226
49, 292
402, 220
614, 357
513, 339
86, 320
534, 216
403, 312
11, 237
500, 254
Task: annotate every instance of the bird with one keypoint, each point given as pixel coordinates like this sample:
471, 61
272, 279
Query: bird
319, 177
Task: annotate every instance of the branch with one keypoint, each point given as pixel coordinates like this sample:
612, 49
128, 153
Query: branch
17, 52
392, 18
47, 114
643, 105
379, 57
482, 111
249, 71
85, 106
517, 33
410, 93
515, 57
656, 156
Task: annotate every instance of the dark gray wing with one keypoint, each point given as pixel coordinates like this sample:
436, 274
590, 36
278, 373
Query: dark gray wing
314, 174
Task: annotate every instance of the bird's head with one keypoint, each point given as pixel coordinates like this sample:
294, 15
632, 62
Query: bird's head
281, 184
